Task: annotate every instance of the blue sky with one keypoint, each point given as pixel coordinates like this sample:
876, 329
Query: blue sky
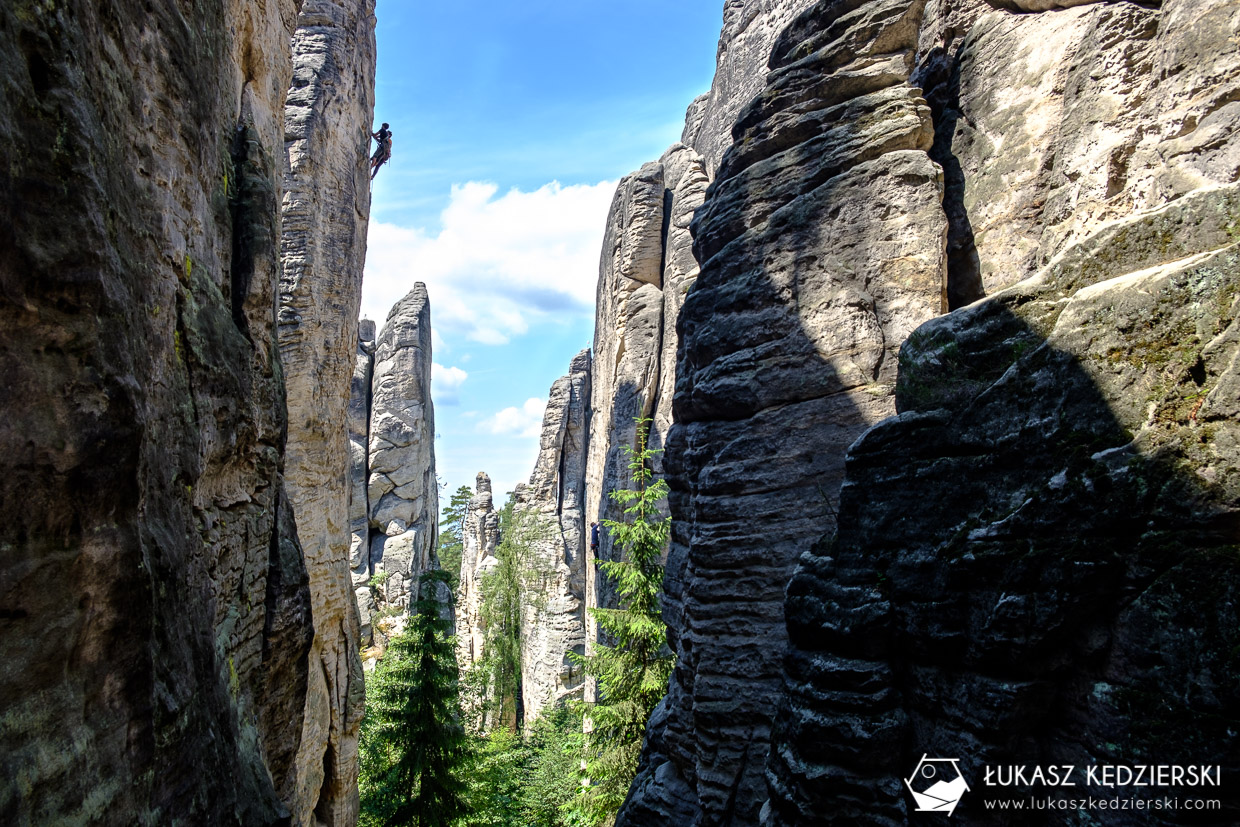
512, 122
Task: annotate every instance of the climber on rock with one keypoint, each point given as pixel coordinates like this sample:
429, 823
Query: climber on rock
594, 540
383, 152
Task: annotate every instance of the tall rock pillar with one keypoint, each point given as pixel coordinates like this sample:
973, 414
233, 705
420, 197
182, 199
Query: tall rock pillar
402, 493
645, 272
1035, 561
325, 213
551, 509
359, 464
821, 243
479, 536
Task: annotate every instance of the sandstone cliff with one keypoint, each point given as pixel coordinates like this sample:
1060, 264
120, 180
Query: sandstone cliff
323, 247
1064, 590
647, 264
749, 30
821, 243
479, 538
155, 614
359, 456
646, 268
552, 511
1068, 139
401, 490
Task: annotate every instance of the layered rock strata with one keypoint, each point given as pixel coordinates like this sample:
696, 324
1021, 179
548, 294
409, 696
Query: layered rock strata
325, 211
155, 613
401, 489
1064, 591
647, 267
821, 243
550, 510
749, 30
479, 538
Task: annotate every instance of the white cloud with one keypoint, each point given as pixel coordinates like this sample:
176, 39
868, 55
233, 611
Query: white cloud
500, 265
445, 382
525, 421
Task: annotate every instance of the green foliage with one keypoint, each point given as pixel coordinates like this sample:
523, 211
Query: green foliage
553, 778
527, 781
452, 535
496, 778
632, 671
495, 682
413, 746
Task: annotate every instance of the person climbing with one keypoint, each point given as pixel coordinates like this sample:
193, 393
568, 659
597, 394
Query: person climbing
383, 152
594, 540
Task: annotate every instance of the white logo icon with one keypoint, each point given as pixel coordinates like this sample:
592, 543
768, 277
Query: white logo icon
936, 785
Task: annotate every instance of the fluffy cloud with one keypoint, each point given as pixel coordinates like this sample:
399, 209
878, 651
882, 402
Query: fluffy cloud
445, 382
525, 421
500, 265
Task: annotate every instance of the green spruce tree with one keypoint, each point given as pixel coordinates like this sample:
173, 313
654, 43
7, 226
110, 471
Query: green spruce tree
413, 742
452, 534
633, 669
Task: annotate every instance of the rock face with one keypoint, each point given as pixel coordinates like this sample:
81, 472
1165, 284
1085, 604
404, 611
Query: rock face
1072, 445
155, 613
1064, 589
749, 29
646, 268
401, 490
551, 508
822, 246
479, 536
323, 247
359, 504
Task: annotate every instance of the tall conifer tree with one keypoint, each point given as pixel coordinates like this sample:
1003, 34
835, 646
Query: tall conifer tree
633, 669
452, 534
413, 734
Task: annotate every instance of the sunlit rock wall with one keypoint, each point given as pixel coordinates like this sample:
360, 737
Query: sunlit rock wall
550, 512
1064, 590
479, 538
325, 212
359, 463
402, 492
821, 243
749, 30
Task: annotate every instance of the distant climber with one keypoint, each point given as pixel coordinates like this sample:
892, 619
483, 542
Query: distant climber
383, 152
594, 539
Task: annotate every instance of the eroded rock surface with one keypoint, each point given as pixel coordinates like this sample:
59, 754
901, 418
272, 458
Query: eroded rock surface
1049, 125
1072, 444
323, 247
822, 247
401, 490
359, 463
1070, 441
479, 537
155, 614
749, 29
646, 269
551, 511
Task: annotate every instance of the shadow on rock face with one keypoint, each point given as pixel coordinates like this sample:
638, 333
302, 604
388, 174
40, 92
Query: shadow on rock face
786, 354
1036, 560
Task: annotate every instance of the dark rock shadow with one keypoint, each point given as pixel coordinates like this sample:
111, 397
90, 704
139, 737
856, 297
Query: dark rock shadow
754, 461
1036, 562
939, 77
